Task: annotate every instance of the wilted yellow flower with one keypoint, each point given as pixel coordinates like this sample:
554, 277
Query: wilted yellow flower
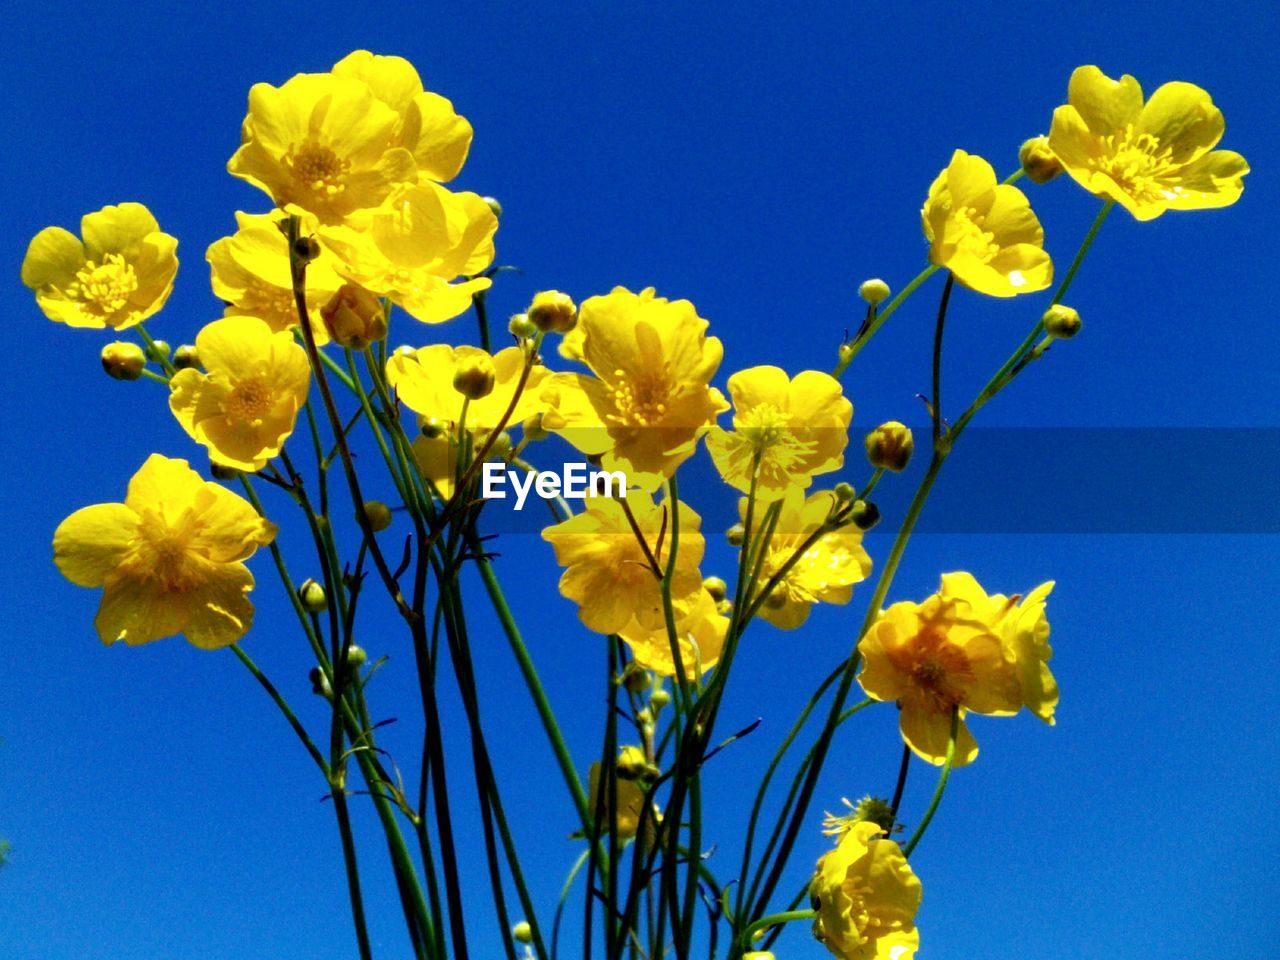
650, 399
413, 247
607, 571
119, 274
249, 270
169, 559
423, 380
827, 570
985, 232
866, 897
429, 128
798, 428
1148, 157
1024, 631
934, 658
700, 633
244, 408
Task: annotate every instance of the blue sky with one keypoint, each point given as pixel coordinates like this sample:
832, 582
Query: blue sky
759, 161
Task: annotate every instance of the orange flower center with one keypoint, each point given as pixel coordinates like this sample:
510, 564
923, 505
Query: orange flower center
768, 428
639, 401
165, 556
969, 236
249, 400
316, 168
105, 287
939, 669
1138, 164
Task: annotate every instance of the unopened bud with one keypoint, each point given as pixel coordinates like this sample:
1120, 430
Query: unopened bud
735, 535
889, 446
865, 515
716, 587
845, 352
123, 361
378, 515
636, 680
306, 248
844, 492
158, 350
533, 428
186, 357
1039, 163
356, 657
474, 376
354, 317
320, 683
313, 597
493, 205
874, 291
632, 764
500, 447
221, 471
431, 427
1061, 322
724, 607
521, 327
659, 698
552, 310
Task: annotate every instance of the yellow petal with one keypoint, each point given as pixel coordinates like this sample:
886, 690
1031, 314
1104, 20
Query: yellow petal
93, 541
1106, 105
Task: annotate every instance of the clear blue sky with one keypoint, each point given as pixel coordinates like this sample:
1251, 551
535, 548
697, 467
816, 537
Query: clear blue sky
759, 160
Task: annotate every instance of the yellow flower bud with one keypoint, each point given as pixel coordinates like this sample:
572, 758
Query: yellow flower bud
735, 535
500, 448
521, 327
494, 206
636, 679
758, 955
431, 427
313, 597
378, 514
186, 357
307, 248
1039, 163
844, 492
874, 291
552, 310
716, 587
889, 446
354, 317
865, 515
356, 657
474, 376
659, 698
632, 764
724, 607
320, 683
533, 428
1061, 322
123, 361
158, 351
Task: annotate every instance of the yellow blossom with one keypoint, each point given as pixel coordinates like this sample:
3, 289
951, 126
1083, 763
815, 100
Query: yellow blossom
415, 246
249, 271
985, 232
650, 398
608, 573
116, 274
428, 127
244, 408
322, 144
630, 804
169, 559
700, 636
827, 570
1148, 157
866, 897
797, 428
423, 380
938, 657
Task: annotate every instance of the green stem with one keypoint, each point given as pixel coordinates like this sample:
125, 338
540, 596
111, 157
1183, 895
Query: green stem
285, 709
941, 788
881, 316
774, 920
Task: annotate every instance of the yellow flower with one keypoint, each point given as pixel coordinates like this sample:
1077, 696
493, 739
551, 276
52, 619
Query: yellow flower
650, 399
1024, 630
985, 232
118, 275
413, 247
866, 897
700, 636
424, 383
429, 128
630, 804
322, 144
608, 574
244, 408
1148, 157
937, 657
827, 570
798, 429
250, 272
169, 559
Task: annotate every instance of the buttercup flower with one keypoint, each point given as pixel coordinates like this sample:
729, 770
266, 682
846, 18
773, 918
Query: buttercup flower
244, 408
827, 570
985, 232
118, 275
866, 897
1024, 631
1148, 157
413, 247
650, 399
423, 380
700, 636
936, 657
607, 571
249, 270
322, 144
428, 127
169, 559
798, 428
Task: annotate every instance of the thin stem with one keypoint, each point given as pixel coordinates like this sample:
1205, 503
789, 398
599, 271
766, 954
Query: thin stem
285, 709
881, 316
937, 356
353, 871
941, 788
774, 920
901, 785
